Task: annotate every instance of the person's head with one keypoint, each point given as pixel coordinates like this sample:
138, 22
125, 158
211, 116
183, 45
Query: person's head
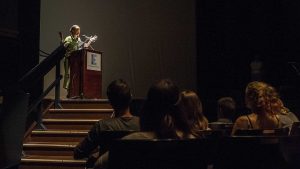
75, 31
275, 101
259, 98
119, 95
160, 113
226, 108
191, 105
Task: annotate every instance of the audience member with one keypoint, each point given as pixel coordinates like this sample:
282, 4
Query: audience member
263, 115
191, 104
160, 117
119, 96
286, 117
284, 111
226, 110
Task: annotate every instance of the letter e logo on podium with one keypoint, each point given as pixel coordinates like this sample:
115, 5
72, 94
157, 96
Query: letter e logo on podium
93, 61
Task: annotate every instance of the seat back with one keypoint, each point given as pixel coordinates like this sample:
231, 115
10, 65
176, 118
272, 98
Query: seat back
290, 147
263, 132
12, 126
224, 128
295, 130
220, 126
106, 138
160, 154
251, 152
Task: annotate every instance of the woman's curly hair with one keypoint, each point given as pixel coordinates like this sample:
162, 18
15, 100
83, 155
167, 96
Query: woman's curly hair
262, 98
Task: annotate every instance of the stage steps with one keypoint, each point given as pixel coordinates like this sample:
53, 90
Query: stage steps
65, 128
69, 124
78, 113
51, 162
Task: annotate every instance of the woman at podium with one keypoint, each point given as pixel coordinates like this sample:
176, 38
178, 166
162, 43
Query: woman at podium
72, 43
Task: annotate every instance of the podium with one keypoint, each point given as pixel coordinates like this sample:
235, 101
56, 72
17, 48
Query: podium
85, 74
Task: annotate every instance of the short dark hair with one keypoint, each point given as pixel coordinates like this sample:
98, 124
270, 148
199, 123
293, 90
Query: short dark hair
119, 94
227, 106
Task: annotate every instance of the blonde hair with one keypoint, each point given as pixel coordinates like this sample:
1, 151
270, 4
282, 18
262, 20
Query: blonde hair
260, 97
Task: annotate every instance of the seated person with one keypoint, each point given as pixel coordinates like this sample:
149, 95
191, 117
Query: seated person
284, 111
160, 117
285, 115
119, 96
191, 105
226, 110
263, 115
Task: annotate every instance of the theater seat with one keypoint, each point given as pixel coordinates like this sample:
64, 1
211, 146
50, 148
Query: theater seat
161, 154
290, 147
263, 132
250, 152
295, 130
106, 138
224, 128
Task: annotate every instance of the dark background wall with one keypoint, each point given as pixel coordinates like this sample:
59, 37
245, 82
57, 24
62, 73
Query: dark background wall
231, 33
217, 38
19, 41
19, 46
9, 43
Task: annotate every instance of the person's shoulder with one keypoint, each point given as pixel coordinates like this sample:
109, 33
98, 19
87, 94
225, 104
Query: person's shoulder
284, 120
242, 119
242, 122
132, 118
135, 118
293, 116
67, 41
140, 135
68, 38
108, 121
105, 124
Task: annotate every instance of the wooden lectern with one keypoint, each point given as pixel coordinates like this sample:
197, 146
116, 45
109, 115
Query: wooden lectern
86, 74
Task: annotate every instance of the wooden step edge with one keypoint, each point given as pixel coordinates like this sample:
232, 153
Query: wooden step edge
52, 99
52, 142
48, 145
32, 126
45, 159
66, 100
80, 110
59, 132
53, 120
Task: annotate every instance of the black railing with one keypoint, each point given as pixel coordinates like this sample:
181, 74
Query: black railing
39, 71
16, 107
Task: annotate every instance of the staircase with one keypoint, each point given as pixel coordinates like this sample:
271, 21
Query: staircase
65, 128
